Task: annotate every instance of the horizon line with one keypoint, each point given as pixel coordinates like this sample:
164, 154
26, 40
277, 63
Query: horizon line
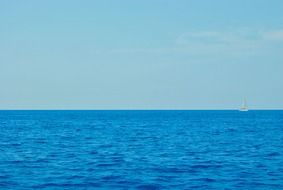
260, 109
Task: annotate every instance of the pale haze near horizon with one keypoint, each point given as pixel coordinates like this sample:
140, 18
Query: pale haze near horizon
182, 54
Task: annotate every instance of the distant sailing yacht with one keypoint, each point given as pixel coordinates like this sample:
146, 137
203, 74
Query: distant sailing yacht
244, 106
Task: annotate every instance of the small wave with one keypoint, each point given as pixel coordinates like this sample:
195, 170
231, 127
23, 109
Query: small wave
111, 178
206, 180
273, 154
104, 165
204, 166
66, 185
149, 187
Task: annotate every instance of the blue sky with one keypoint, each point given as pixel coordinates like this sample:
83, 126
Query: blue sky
129, 54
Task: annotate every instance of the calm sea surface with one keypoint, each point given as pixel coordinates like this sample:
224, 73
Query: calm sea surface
141, 150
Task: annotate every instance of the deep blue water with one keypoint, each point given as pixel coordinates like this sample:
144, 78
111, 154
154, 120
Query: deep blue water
141, 150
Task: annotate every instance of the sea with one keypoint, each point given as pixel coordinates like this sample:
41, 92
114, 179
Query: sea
148, 150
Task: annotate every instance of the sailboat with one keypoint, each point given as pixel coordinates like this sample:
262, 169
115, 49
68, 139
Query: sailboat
244, 106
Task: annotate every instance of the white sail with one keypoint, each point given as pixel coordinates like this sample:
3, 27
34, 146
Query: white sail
244, 106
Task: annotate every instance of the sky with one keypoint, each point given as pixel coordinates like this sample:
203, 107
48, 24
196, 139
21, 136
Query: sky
149, 54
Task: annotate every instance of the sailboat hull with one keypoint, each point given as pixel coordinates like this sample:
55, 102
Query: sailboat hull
244, 110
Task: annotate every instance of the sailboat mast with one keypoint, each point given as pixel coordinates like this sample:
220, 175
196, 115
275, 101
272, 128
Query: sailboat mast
244, 106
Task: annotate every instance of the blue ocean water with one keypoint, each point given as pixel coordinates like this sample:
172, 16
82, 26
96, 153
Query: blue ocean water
141, 150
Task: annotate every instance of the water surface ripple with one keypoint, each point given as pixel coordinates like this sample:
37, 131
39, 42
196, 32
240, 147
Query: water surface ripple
141, 150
